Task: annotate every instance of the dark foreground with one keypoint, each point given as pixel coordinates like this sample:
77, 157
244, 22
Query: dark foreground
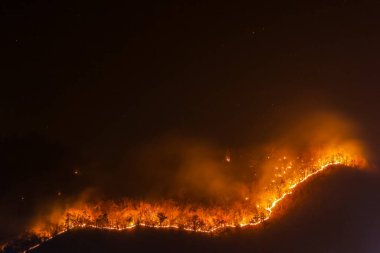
337, 212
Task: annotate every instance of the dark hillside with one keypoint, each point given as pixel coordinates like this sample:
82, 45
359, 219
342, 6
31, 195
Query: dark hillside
335, 212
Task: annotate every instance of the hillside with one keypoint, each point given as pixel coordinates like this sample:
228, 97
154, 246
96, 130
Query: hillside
333, 212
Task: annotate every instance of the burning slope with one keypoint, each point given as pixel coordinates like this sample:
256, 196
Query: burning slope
280, 172
126, 214
336, 211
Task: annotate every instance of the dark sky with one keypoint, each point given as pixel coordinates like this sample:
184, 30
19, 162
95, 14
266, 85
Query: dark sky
86, 83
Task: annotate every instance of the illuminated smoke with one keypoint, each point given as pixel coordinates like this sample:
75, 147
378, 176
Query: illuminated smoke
273, 172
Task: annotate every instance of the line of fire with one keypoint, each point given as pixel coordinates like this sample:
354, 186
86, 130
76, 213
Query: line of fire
286, 174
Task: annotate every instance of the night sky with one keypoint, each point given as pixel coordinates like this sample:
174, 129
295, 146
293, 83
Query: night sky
87, 87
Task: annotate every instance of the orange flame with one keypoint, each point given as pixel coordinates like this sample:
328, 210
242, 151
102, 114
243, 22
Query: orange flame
282, 172
128, 214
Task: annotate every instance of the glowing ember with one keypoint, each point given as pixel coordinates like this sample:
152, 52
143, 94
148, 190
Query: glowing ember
227, 157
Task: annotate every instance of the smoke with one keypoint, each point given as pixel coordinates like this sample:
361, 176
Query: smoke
191, 169
303, 143
194, 172
48, 216
186, 169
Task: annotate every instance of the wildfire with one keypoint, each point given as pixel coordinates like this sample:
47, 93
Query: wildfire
273, 175
250, 211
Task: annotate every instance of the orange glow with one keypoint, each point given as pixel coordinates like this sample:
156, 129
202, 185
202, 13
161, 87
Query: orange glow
227, 158
275, 175
251, 211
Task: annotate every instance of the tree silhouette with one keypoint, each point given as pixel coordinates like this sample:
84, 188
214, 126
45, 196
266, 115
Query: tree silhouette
161, 217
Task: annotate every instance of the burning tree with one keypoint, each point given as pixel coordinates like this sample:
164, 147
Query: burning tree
196, 222
102, 220
161, 217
